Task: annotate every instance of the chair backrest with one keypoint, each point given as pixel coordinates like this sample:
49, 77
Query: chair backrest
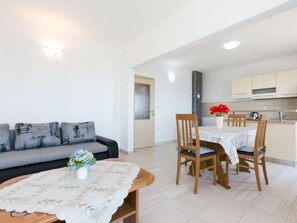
261, 134
235, 120
187, 138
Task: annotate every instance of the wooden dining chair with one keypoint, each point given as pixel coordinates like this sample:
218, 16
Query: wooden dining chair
235, 120
256, 153
188, 147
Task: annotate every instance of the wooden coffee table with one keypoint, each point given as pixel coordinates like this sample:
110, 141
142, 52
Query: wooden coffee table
128, 212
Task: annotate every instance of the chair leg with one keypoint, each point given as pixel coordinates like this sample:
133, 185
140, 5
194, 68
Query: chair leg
197, 173
256, 162
237, 168
214, 171
263, 160
178, 169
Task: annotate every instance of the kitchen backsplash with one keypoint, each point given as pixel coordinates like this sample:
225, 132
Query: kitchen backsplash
259, 105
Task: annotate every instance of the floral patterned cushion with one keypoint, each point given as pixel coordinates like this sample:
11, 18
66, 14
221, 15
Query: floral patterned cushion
78, 132
4, 138
36, 135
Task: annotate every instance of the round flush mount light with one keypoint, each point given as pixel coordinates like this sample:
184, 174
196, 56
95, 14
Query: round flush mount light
53, 49
231, 45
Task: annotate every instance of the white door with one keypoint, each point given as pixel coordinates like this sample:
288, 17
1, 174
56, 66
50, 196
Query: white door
144, 116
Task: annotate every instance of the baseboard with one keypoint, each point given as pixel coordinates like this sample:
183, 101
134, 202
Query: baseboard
165, 142
280, 161
156, 144
126, 152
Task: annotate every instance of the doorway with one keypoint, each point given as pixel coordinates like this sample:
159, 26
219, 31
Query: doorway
144, 112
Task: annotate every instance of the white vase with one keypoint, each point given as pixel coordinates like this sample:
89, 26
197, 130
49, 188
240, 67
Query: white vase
219, 122
82, 173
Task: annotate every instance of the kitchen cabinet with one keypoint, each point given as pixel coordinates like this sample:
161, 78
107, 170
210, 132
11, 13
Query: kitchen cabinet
286, 83
281, 142
269, 80
242, 88
264, 86
257, 82
264, 81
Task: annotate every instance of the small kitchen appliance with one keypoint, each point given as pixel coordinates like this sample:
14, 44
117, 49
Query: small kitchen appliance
255, 115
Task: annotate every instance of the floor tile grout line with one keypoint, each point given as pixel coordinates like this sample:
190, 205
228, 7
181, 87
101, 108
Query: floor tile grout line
295, 201
250, 206
198, 212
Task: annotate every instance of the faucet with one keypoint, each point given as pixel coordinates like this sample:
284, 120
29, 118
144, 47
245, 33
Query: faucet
281, 116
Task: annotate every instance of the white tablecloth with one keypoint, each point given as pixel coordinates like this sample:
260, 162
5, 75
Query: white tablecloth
58, 192
230, 138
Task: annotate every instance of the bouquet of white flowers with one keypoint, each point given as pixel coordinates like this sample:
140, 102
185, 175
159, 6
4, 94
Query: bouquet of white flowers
81, 158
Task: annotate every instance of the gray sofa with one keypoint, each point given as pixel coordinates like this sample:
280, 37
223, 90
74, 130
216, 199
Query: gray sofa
27, 161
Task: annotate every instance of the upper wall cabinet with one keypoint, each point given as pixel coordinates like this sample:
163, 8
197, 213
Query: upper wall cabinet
242, 88
269, 80
264, 81
286, 84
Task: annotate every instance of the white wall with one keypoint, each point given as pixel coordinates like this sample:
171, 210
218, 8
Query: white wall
170, 97
217, 84
81, 86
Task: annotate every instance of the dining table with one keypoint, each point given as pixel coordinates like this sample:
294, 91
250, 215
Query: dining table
225, 142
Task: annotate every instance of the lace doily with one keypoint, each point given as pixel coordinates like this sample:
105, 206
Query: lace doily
58, 192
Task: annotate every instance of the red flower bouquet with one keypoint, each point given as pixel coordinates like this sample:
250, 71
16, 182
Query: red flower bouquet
219, 110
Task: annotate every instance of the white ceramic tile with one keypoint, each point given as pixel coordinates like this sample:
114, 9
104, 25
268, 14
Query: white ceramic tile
218, 213
176, 211
279, 206
255, 215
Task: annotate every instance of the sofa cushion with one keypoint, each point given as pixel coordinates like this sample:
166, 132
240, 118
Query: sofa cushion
26, 157
4, 138
36, 135
78, 132
65, 151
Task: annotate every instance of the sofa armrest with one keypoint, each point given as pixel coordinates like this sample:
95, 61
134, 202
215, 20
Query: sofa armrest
113, 149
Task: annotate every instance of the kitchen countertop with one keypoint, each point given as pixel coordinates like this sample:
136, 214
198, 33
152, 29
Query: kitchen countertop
264, 110
274, 121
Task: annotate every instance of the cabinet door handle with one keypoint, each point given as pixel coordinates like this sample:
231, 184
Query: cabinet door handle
240, 94
288, 94
269, 95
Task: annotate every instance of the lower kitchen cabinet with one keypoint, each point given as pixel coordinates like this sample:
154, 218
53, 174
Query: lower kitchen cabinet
281, 141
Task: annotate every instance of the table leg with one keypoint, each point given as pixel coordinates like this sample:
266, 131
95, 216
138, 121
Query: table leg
129, 211
133, 201
223, 177
243, 163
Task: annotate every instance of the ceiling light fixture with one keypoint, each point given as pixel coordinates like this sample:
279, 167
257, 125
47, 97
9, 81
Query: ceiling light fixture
231, 45
53, 49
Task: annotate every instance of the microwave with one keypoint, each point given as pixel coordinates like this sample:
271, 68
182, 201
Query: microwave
264, 93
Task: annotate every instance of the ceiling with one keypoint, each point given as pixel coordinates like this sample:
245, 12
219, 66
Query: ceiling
115, 22
271, 38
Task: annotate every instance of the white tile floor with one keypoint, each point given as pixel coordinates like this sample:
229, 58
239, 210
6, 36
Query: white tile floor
164, 201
